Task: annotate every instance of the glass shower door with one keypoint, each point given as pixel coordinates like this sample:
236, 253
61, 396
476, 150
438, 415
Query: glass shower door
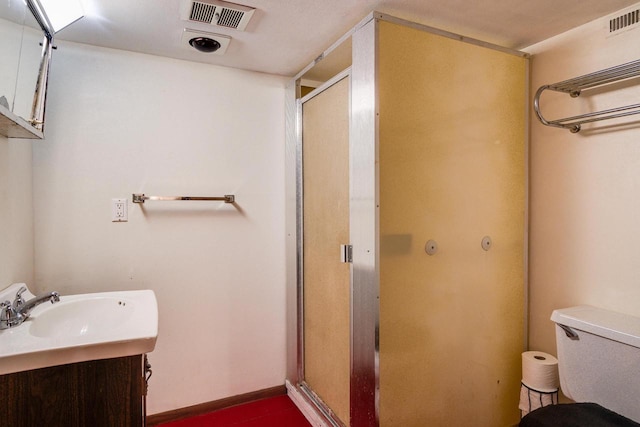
325, 219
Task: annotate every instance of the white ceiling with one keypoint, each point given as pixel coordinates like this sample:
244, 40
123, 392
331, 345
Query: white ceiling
286, 35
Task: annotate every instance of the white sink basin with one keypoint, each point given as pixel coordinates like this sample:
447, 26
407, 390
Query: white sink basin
80, 328
92, 316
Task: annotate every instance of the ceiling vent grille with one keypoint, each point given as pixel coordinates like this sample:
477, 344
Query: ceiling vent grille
230, 18
202, 12
624, 21
218, 13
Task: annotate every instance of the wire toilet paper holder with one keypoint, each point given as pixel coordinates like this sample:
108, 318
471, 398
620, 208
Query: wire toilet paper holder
536, 398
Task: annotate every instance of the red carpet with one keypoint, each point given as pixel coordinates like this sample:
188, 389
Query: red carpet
273, 412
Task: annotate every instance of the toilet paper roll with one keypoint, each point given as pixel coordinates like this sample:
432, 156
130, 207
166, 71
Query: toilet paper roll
540, 371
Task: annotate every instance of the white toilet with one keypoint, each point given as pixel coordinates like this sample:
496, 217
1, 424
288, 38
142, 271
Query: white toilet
599, 362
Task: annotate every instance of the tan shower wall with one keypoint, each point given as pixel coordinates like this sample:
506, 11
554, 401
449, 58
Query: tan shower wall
326, 226
452, 152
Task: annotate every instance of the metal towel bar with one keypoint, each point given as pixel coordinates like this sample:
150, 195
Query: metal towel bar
140, 198
576, 85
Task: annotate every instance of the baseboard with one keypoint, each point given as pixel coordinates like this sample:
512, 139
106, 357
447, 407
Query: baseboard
205, 408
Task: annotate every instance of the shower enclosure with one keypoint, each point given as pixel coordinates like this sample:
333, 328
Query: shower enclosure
406, 229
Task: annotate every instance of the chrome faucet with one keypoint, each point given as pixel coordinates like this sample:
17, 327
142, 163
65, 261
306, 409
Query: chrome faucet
13, 314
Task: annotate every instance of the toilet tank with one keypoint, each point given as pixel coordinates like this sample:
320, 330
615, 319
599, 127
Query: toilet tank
599, 357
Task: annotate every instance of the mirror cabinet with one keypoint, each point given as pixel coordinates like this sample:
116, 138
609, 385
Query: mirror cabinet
25, 47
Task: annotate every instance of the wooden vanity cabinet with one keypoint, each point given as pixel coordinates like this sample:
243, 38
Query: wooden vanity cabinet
108, 392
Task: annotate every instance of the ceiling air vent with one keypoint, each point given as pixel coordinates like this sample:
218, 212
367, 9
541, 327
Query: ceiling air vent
218, 13
625, 21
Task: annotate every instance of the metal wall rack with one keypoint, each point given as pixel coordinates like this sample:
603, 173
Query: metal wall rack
589, 81
140, 198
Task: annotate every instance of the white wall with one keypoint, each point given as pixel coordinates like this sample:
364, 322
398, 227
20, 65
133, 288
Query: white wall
585, 187
16, 212
120, 123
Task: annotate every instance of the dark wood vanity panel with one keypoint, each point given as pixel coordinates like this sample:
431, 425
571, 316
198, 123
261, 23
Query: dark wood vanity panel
97, 393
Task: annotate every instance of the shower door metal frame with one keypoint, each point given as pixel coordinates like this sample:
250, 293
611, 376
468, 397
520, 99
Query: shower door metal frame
363, 233
364, 227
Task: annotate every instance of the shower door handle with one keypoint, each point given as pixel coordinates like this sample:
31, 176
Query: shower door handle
346, 253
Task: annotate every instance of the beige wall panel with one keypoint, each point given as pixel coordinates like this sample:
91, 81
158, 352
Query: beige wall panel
326, 227
452, 150
584, 186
